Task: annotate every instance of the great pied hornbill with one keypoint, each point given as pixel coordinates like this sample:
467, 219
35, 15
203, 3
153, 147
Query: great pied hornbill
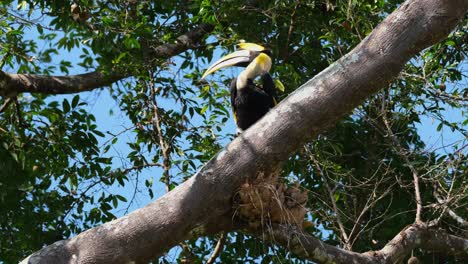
249, 102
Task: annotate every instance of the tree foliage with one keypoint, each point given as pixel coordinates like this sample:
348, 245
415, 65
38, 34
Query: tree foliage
61, 173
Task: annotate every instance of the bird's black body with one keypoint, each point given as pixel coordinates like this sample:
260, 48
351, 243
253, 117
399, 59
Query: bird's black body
249, 102
252, 102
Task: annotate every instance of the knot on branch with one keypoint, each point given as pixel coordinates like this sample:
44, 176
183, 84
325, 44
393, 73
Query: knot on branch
268, 201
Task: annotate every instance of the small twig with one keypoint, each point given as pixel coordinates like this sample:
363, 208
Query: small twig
290, 30
18, 112
8, 101
417, 195
23, 21
348, 10
217, 250
371, 201
127, 170
350, 17
187, 255
414, 172
162, 142
443, 202
135, 190
332, 199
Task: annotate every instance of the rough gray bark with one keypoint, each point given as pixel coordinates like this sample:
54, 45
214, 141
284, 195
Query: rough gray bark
420, 235
413, 236
205, 200
12, 84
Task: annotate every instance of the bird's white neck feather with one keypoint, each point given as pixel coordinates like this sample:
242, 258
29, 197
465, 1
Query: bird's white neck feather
257, 67
242, 80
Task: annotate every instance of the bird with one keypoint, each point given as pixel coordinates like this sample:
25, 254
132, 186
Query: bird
249, 101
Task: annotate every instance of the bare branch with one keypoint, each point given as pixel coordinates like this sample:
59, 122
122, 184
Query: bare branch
403, 154
309, 247
290, 31
412, 237
147, 165
373, 199
7, 102
332, 200
457, 218
451, 213
420, 236
157, 124
217, 250
12, 84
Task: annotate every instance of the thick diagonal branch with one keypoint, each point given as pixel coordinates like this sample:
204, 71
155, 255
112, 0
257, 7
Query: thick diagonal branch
12, 84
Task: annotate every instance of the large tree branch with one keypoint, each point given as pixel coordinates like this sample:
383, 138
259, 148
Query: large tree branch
308, 247
412, 237
420, 236
12, 84
205, 200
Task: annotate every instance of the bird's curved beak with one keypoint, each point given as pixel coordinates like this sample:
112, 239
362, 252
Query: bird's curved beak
237, 58
250, 46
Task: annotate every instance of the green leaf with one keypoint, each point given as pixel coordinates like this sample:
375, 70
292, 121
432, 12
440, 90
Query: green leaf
75, 101
131, 43
65, 106
99, 133
121, 198
203, 110
279, 85
336, 196
450, 43
115, 202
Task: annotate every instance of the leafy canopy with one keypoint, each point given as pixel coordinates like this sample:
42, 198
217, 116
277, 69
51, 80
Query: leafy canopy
64, 172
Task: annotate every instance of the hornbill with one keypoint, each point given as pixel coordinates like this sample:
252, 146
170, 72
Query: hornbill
249, 102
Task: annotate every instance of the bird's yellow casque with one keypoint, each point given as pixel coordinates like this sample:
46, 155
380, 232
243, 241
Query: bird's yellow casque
249, 102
